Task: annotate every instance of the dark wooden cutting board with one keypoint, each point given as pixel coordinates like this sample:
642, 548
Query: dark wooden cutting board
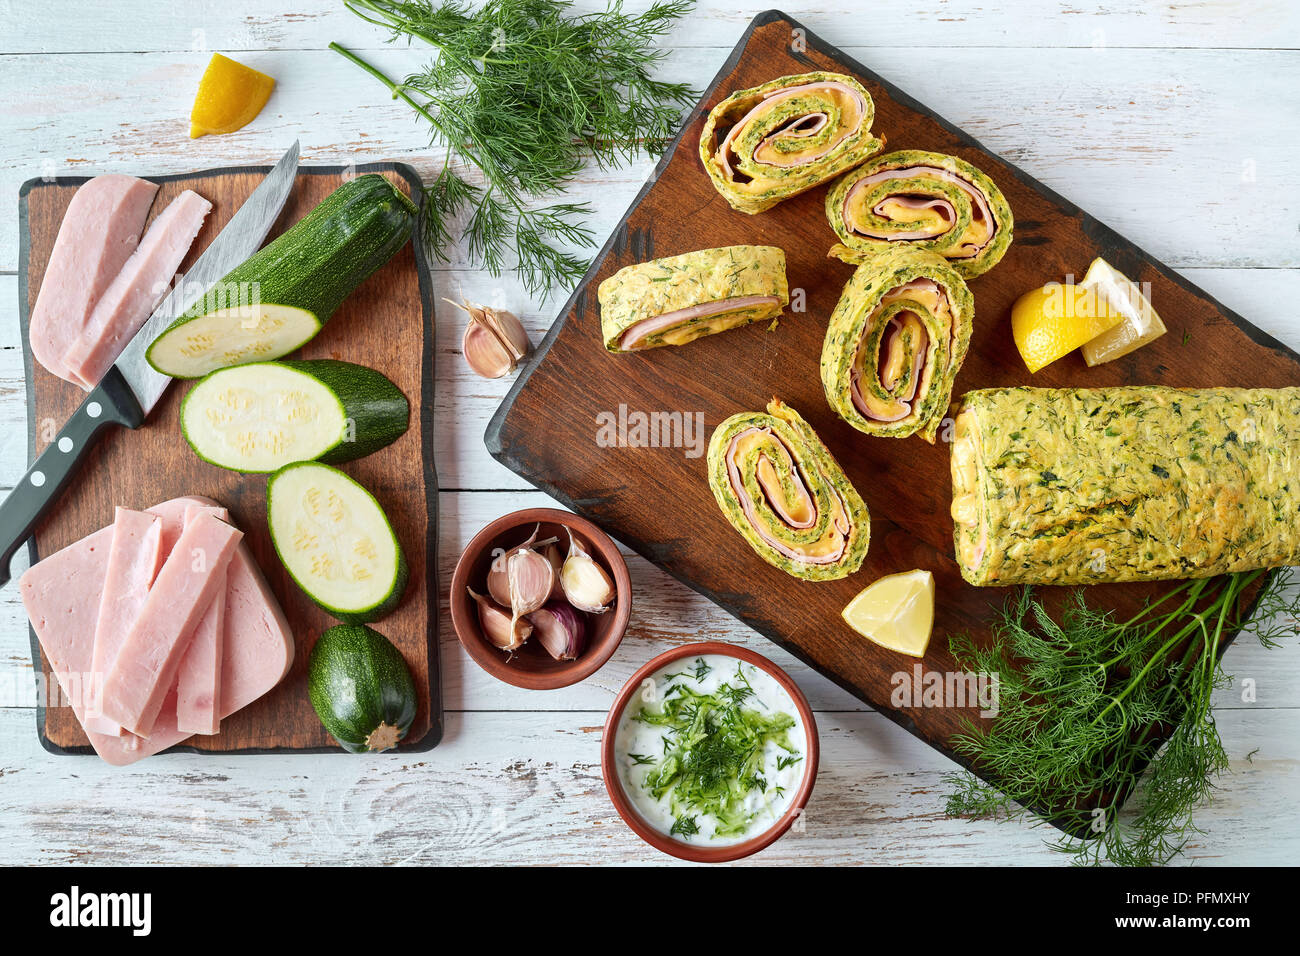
386, 324
658, 501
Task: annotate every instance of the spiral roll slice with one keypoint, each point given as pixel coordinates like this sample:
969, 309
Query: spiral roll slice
771, 142
782, 490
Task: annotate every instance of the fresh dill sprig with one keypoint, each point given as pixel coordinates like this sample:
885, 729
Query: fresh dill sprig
527, 94
1093, 711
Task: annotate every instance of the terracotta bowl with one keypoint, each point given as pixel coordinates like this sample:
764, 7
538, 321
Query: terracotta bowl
698, 853
531, 666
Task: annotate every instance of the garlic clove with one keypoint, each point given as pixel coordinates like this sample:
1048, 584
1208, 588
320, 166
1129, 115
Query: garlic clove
552, 553
494, 340
498, 581
531, 578
586, 585
560, 629
498, 626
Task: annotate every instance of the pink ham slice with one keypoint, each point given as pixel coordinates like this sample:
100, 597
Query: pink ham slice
98, 234
61, 595
134, 558
198, 681
634, 336
802, 127
147, 662
136, 291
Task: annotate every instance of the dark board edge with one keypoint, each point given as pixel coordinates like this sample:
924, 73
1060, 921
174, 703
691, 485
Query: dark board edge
1104, 235
433, 736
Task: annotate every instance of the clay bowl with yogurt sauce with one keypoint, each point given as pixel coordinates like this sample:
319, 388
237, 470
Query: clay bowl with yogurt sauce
530, 666
701, 852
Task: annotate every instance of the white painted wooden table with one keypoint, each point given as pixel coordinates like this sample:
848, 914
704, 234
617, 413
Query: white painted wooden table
1178, 124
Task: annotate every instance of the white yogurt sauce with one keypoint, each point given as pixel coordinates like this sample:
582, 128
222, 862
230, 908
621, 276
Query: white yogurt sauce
636, 737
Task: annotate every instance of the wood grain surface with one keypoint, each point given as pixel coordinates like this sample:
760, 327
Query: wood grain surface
657, 499
387, 324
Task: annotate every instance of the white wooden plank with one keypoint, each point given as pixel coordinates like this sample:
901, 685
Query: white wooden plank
1163, 145
237, 25
526, 788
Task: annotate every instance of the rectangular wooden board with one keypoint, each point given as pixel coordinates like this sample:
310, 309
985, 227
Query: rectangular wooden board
657, 500
386, 324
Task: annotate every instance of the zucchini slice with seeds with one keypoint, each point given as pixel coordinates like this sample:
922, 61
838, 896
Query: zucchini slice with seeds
259, 417
280, 297
335, 541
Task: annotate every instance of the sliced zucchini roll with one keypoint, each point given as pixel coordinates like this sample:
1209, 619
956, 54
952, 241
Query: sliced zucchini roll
771, 142
1137, 483
924, 200
782, 490
682, 298
895, 343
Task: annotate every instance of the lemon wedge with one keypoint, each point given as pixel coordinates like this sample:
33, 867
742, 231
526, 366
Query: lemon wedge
1055, 320
896, 612
1139, 323
230, 96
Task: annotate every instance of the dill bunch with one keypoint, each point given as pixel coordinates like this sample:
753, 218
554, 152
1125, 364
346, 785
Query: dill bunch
527, 94
1093, 711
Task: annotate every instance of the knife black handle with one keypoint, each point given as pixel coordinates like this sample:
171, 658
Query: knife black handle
111, 403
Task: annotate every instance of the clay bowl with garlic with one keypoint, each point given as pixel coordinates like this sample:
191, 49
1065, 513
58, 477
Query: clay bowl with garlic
531, 665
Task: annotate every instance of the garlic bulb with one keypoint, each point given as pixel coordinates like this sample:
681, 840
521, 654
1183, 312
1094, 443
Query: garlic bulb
560, 629
494, 341
499, 627
586, 585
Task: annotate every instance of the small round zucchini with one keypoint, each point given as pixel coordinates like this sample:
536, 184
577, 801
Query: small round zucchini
335, 541
259, 417
361, 688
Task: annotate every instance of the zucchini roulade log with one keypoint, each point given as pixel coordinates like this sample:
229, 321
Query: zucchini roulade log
783, 491
680, 299
895, 342
1080, 486
771, 142
925, 200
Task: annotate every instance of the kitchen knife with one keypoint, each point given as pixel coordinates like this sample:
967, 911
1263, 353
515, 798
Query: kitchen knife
130, 389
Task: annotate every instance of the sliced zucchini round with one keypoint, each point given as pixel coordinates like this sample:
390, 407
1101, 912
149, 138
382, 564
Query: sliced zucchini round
335, 541
232, 336
261, 416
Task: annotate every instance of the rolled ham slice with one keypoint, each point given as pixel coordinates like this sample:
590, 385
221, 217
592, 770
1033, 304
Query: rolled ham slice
100, 230
136, 290
679, 299
768, 143
926, 200
134, 558
61, 596
780, 487
895, 342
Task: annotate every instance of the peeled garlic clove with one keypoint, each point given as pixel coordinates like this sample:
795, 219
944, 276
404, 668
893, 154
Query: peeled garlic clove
531, 578
560, 629
494, 341
586, 585
499, 627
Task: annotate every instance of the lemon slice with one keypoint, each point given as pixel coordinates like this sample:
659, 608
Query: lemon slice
896, 612
1055, 320
230, 96
1138, 324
